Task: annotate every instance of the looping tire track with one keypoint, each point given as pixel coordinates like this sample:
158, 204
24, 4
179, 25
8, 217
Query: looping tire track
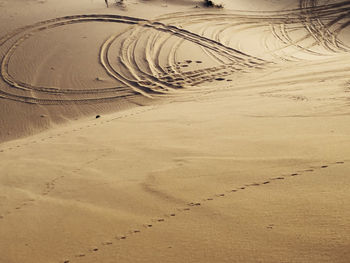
322, 23
139, 83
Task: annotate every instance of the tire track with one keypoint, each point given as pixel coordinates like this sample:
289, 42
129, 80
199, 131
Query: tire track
309, 17
136, 80
322, 23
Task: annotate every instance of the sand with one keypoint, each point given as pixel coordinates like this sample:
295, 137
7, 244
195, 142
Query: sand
163, 131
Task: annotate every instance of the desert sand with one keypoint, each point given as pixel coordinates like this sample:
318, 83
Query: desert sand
166, 131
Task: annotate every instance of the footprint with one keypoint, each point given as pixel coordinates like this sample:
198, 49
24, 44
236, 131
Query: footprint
324, 166
95, 249
108, 243
295, 174
278, 178
219, 79
172, 214
188, 61
221, 195
137, 231
80, 255
161, 220
267, 182
339, 162
199, 62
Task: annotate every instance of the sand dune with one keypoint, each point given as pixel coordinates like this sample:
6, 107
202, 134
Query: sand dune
146, 59
164, 131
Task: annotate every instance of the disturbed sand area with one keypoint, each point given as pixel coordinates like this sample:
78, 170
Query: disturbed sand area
223, 137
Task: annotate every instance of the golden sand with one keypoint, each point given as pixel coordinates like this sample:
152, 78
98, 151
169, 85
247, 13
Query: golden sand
164, 131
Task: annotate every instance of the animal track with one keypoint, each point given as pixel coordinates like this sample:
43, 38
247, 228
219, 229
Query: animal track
253, 184
198, 205
278, 178
194, 204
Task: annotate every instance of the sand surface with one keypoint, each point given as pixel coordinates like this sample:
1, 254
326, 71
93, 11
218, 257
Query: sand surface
223, 134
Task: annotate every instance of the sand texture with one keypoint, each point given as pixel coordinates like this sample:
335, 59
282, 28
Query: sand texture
166, 131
